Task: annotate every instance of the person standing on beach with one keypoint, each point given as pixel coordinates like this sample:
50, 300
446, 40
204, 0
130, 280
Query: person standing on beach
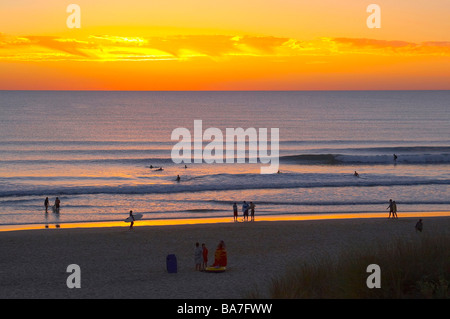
198, 256
132, 219
245, 210
394, 209
252, 211
205, 256
391, 207
235, 212
46, 204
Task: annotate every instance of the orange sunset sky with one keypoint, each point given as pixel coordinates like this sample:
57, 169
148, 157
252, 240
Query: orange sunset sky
224, 45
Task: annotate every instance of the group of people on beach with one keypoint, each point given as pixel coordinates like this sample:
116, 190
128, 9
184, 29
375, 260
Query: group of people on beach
55, 206
245, 208
201, 256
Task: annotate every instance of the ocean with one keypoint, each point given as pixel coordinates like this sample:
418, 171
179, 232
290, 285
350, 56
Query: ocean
94, 150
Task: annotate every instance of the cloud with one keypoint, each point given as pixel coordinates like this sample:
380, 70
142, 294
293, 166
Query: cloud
385, 47
40, 47
185, 47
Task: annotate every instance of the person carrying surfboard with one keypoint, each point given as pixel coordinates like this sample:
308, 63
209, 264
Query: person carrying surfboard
132, 219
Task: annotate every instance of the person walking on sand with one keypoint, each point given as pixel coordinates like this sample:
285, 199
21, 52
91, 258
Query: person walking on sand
390, 207
235, 212
252, 211
198, 256
394, 209
132, 219
46, 204
205, 256
245, 210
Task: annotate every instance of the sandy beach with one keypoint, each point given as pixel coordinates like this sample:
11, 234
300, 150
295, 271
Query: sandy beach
118, 263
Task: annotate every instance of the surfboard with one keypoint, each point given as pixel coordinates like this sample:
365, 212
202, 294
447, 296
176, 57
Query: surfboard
136, 217
215, 269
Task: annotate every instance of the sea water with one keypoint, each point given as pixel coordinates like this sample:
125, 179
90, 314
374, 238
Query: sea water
94, 149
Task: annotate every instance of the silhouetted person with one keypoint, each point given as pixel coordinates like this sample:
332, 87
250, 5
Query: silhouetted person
245, 210
46, 204
419, 225
391, 208
394, 209
252, 211
57, 204
132, 219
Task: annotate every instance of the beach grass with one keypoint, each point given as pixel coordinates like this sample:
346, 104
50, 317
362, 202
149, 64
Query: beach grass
417, 268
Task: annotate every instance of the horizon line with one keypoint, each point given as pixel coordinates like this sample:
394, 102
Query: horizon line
236, 90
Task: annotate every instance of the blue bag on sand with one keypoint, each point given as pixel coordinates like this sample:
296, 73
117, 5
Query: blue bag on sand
171, 263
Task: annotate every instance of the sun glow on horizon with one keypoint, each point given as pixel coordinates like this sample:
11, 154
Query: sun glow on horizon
240, 54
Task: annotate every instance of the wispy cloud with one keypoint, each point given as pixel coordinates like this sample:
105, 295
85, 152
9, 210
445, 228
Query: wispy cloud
185, 47
372, 46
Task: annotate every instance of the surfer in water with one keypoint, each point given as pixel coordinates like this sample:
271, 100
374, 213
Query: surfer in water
57, 205
178, 178
356, 174
132, 219
46, 204
395, 158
